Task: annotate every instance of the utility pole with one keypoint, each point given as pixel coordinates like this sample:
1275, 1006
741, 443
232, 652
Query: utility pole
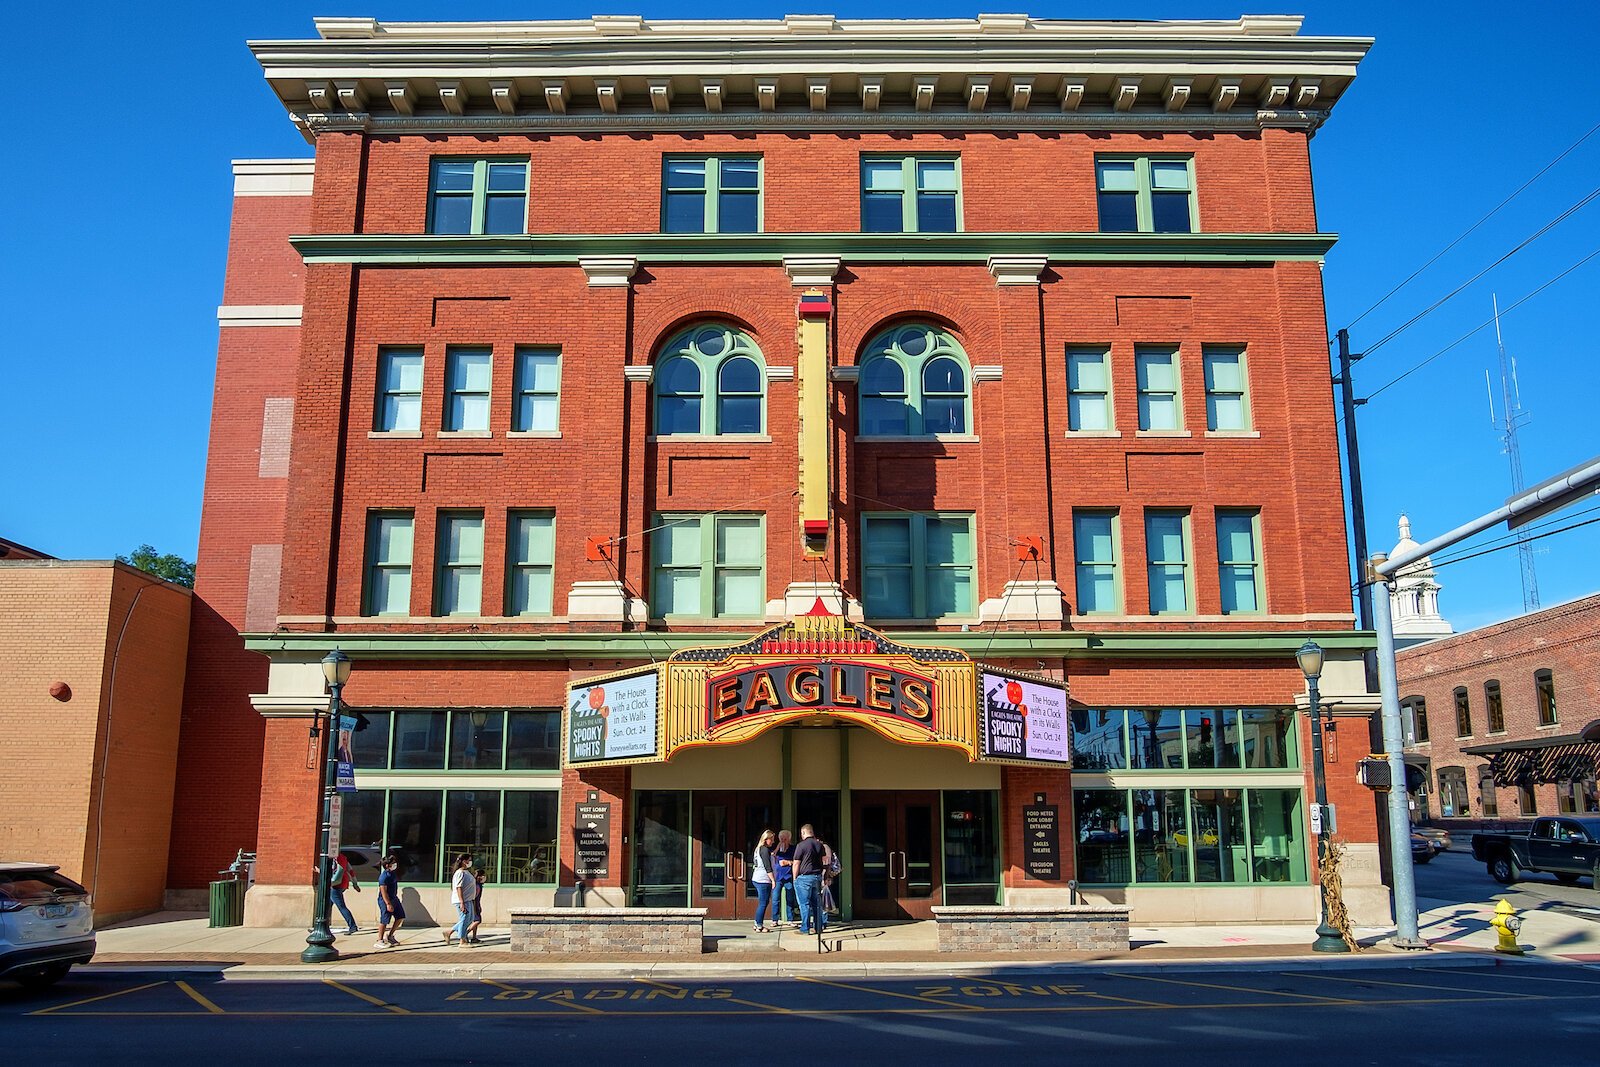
1358, 509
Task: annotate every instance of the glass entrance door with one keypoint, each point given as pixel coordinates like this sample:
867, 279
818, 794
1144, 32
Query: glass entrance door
899, 872
724, 825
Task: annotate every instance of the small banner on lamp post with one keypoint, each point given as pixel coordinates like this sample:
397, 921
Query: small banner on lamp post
346, 780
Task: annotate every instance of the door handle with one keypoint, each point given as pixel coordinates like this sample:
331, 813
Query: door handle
902, 874
730, 870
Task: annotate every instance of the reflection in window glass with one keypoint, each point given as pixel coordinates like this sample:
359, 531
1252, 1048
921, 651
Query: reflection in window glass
1157, 738
370, 747
419, 740
661, 849
1221, 853
476, 740
361, 822
1160, 836
1100, 826
414, 832
533, 740
1277, 850
971, 847
1208, 732
528, 837
1267, 736
472, 826
1099, 739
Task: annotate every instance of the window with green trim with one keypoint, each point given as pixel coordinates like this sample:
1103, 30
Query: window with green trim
1160, 393
1217, 835
1227, 389
1166, 536
711, 194
510, 833
708, 566
914, 383
478, 196
530, 562
710, 380
1145, 194
458, 588
399, 407
1239, 560
536, 386
910, 194
1094, 540
1088, 389
387, 589
918, 565
466, 399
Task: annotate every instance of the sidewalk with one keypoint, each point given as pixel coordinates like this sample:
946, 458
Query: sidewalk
172, 939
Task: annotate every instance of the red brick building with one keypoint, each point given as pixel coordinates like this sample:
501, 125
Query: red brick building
583, 347
1504, 718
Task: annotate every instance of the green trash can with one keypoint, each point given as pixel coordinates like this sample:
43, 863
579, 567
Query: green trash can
227, 902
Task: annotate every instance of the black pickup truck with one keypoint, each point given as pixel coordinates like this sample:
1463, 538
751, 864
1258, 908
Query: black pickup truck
1566, 847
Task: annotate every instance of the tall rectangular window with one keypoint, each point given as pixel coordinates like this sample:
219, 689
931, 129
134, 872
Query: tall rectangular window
478, 196
1239, 560
466, 401
530, 562
1463, 713
1145, 194
918, 565
388, 578
460, 581
1544, 685
910, 194
1088, 389
710, 566
399, 406
536, 381
1488, 799
1414, 712
1227, 392
1160, 403
1166, 536
711, 194
1496, 710
1094, 540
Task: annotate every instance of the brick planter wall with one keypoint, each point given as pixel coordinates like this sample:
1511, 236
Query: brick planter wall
569, 931
1079, 928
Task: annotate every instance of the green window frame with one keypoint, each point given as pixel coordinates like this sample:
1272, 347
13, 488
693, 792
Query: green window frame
1168, 551
1494, 707
399, 406
911, 194
1239, 561
915, 381
708, 566
536, 390
919, 565
1159, 379
711, 194
458, 576
530, 562
464, 740
1146, 194
469, 384
1227, 389
1544, 688
477, 196
1089, 408
1096, 546
1463, 712
709, 381
513, 834
390, 540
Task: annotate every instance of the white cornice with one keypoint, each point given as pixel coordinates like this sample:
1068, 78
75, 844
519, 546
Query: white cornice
272, 177
258, 315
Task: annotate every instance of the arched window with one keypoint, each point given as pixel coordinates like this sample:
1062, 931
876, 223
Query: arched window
710, 379
915, 382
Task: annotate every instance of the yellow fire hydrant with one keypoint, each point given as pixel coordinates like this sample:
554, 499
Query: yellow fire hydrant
1506, 923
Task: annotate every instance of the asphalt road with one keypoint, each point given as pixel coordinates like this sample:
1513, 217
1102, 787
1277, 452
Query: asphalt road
1315, 1012
1455, 877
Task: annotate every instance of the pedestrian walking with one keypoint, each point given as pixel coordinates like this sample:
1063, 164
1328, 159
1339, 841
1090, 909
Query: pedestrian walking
341, 879
762, 878
830, 875
479, 877
783, 881
390, 913
463, 890
810, 860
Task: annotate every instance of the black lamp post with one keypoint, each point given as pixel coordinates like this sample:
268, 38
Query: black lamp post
1310, 657
319, 942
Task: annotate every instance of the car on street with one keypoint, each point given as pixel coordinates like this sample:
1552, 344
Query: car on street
1440, 839
363, 861
46, 924
1422, 849
1565, 846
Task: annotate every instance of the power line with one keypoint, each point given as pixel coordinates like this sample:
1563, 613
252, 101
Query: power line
1469, 230
1502, 548
1506, 540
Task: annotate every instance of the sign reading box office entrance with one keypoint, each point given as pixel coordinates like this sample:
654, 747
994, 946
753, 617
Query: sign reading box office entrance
614, 718
1024, 718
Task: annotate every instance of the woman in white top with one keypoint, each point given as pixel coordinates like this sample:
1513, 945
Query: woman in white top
463, 890
761, 878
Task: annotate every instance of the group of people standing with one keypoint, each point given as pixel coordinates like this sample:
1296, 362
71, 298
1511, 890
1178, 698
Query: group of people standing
798, 876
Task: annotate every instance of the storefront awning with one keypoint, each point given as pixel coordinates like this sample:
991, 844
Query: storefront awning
1561, 758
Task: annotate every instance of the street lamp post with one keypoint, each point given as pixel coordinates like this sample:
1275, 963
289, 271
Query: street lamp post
319, 942
1310, 658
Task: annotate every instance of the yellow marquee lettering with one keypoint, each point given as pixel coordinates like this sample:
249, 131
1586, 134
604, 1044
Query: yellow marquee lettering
724, 699
917, 699
880, 690
805, 685
761, 692
841, 692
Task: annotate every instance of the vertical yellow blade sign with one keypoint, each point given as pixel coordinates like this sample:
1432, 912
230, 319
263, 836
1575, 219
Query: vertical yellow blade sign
814, 311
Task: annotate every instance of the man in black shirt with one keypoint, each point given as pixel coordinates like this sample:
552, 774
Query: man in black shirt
810, 860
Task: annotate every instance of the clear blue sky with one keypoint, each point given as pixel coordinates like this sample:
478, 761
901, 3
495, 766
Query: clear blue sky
119, 189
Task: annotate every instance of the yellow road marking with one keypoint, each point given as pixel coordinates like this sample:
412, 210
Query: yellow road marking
91, 1000
200, 998
1241, 989
1078, 991
544, 1000
889, 993
1408, 985
368, 997
730, 1000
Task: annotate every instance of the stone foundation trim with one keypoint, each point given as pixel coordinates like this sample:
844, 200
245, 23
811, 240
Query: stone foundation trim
576, 931
1073, 928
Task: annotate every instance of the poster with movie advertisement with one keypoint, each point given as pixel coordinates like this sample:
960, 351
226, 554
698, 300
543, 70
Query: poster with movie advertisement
1024, 718
613, 718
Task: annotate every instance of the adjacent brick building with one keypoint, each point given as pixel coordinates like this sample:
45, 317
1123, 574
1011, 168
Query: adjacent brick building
583, 346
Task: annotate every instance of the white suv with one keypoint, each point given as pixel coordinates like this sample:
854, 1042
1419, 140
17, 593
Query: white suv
46, 924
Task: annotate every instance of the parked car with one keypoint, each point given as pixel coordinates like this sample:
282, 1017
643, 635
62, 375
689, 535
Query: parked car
46, 924
1440, 839
1421, 849
363, 861
1565, 846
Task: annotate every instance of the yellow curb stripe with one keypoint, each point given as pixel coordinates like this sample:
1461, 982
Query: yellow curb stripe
93, 1000
368, 997
200, 998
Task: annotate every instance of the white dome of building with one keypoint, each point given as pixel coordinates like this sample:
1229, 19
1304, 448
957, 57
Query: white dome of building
1414, 601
